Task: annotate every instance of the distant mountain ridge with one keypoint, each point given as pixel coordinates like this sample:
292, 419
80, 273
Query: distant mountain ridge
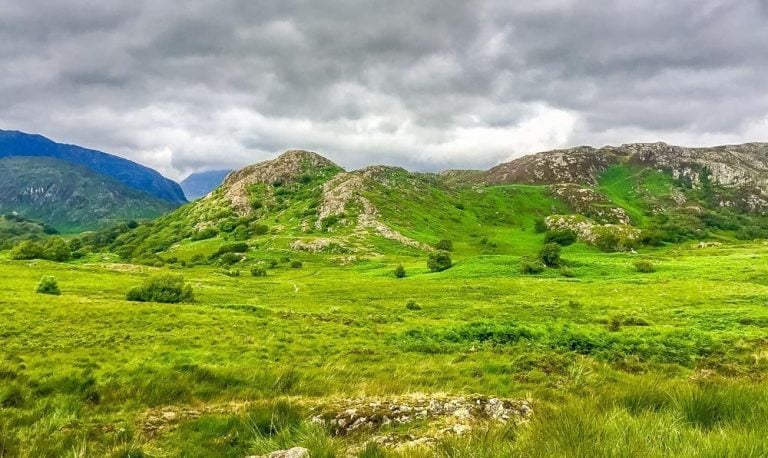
200, 184
70, 197
129, 173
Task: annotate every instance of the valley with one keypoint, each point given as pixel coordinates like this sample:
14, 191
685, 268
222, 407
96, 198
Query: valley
617, 310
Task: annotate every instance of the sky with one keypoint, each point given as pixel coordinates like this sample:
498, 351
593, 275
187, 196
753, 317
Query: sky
428, 85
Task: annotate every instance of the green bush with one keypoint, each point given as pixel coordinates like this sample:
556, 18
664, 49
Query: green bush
400, 271
48, 285
258, 271
550, 255
229, 259
238, 247
272, 263
412, 305
164, 288
644, 266
296, 265
444, 245
207, 233
260, 229
439, 261
540, 225
567, 273
562, 237
529, 267
27, 250
56, 249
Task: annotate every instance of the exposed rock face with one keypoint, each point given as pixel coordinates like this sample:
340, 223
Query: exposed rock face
590, 203
287, 168
583, 164
345, 191
610, 237
730, 165
370, 414
295, 452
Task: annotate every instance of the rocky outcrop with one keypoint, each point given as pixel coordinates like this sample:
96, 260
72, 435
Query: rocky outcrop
729, 165
289, 167
344, 193
295, 452
583, 165
369, 414
608, 237
590, 203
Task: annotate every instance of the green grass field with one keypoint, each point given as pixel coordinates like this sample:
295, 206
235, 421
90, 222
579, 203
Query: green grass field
614, 362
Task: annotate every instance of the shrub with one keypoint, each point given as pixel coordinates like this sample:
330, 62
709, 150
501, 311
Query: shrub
56, 249
165, 288
272, 263
562, 237
238, 247
550, 254
529, 267
229, 259
48, 285
296, 265
567, 273
540, 225
644, 266
207, 233
231, 272
412, 305
260, 229
258, 271
444, 245
439, 261
400, 271
27, 250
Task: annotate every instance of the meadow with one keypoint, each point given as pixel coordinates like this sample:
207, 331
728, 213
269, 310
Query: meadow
613, 361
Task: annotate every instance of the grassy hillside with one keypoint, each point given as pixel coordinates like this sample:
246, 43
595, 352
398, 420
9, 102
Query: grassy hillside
606, 356
69, 197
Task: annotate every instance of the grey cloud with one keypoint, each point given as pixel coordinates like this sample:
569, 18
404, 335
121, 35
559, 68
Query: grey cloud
428, 84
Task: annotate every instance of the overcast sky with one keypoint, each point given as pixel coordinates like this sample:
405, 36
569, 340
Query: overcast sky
428, 84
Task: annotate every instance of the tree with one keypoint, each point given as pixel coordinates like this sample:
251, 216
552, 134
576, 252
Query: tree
550, 254
439, 261
400, 271
165, 288
27, 250
56, 249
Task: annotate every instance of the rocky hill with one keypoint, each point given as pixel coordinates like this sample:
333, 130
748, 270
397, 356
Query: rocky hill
614, 198
129, 173
741, 168
70, 197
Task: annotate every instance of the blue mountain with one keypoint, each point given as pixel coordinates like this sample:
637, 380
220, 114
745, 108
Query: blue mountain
201, 183
129, 173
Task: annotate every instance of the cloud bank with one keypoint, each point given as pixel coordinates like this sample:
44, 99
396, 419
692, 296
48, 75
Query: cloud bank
427, 85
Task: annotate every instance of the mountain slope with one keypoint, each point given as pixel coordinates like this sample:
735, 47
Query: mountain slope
129, 173
70, 197
201, 183
614, 198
